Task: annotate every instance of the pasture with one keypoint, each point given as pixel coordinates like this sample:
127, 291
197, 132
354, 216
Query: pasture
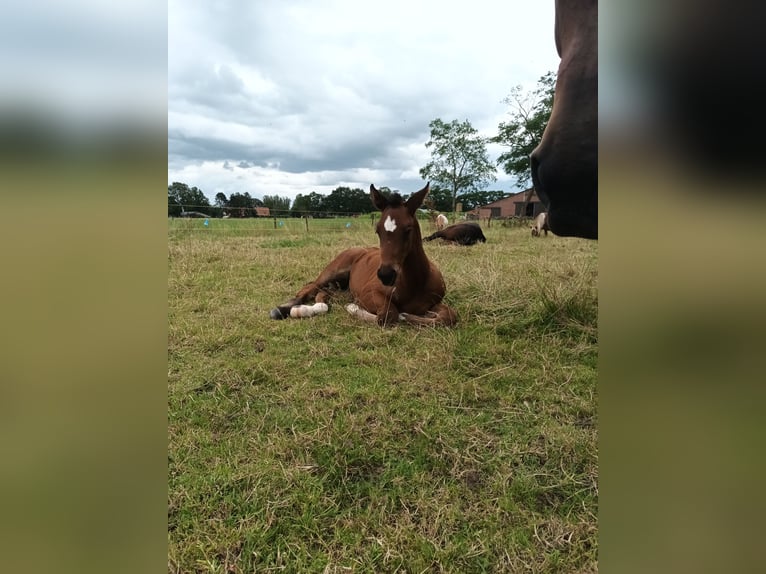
331, 445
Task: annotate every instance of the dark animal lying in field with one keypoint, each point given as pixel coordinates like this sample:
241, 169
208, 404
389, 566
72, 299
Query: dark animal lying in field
540, 224
460, 233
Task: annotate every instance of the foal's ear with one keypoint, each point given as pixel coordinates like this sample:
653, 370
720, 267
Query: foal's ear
378, 199
416, 199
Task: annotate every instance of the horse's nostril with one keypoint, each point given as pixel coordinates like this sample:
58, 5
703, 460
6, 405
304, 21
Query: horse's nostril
387, 275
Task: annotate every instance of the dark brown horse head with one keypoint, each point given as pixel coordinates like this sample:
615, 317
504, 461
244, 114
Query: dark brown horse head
398, 230
565, 164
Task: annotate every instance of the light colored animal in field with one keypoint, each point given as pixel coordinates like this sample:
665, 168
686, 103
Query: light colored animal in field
441, 221
540, 224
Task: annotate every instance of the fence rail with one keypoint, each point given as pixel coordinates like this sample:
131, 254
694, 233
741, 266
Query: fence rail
295, 225
267, 225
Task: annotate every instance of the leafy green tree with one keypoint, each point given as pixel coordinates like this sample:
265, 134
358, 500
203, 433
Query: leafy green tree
299, 205
174, 204
344, 200
438, 199
242, 205
524, 130
459, 158
220, 199
311, 204
182, 198
475, 199
276, 204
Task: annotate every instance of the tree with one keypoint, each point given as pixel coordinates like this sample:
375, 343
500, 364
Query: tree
220, 199
276, 204
345, 200
310, 204
459, 158
438, 199
182, 198
521, 134
243, 205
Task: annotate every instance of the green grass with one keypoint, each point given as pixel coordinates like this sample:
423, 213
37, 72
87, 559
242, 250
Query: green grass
332, 445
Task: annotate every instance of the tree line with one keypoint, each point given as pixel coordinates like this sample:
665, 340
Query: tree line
185, 200
459, 168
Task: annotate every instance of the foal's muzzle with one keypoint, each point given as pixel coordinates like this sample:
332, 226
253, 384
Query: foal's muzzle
387, 275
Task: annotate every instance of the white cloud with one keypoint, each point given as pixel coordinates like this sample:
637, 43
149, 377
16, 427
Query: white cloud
315, 95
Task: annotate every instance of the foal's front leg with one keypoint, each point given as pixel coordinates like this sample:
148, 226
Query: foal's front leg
388, 312
440, 315
387, 315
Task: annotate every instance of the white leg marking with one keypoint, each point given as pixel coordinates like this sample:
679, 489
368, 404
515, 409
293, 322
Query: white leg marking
364, 315
309, 310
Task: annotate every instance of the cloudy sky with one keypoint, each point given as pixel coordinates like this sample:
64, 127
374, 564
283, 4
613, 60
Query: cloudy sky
281, 97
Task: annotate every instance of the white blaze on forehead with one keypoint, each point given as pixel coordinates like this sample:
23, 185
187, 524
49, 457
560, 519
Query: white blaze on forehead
389, 225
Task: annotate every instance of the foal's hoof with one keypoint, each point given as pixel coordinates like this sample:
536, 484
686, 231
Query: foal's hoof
275, 313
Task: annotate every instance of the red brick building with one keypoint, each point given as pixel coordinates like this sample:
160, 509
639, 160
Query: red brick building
511, 206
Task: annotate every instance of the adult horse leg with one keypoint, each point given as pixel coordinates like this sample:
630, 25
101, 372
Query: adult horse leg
334, 276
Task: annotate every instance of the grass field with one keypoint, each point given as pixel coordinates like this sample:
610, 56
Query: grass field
331, 445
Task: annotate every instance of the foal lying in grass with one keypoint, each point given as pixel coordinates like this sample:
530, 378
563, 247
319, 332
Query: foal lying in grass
391, 283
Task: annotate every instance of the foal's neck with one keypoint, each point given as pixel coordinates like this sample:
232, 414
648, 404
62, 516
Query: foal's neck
417, 264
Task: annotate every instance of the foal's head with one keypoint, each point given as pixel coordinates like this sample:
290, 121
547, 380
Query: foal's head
398, 231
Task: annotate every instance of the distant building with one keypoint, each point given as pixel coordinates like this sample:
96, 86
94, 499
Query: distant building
511, 206
534, 205
262, 211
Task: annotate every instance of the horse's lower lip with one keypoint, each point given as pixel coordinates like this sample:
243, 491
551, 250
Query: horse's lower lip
568, 222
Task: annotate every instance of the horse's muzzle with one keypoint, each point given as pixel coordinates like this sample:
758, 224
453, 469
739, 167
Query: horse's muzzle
387, 275
569, 193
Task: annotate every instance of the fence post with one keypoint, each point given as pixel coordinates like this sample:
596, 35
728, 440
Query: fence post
275, 223
307, 224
